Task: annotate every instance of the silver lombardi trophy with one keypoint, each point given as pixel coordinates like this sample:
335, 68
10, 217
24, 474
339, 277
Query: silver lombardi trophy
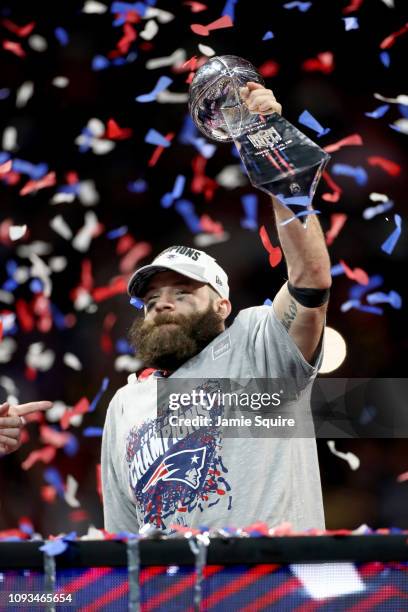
278, 158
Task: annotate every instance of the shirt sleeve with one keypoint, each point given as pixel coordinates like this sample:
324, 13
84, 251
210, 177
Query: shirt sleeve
273, 352
118, 511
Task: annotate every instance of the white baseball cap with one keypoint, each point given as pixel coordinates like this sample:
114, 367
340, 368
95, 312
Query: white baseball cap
186, 261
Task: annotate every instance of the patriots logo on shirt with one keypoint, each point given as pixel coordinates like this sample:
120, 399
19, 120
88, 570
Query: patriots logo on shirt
185, 466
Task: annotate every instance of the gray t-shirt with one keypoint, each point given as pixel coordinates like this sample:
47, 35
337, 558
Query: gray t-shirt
208, 478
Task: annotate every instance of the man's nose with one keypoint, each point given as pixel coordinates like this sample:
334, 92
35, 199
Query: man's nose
164, 303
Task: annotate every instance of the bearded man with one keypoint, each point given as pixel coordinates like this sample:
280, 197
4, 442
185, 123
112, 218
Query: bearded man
205, 477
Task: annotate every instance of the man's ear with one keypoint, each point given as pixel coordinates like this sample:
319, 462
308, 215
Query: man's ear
223, 307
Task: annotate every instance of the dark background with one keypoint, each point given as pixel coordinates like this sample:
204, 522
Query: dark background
47, 127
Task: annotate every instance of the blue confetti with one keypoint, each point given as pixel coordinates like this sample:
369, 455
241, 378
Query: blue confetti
139, 186
95, 401
385, 58
53, 477
137, 303
267, 302
125, 7
302, 6
4, 93
337, 270
168, 198
54, 547
155, 138
93, 432
229, 9
356, 172
62, 36
350, 23
72, 446
268, 35
389, 245
186, 210
356, 292
302, 213
4, 157
309, 121
117, 233
403, 109
392, 298
57, 317
161, 85
378, 112
123, 347
250, 204
99, 62
36, 285
34, 171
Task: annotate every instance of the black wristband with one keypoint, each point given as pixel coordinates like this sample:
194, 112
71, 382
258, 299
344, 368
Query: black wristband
310, 298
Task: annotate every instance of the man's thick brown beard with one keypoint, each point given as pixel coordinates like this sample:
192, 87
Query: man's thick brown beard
167, 347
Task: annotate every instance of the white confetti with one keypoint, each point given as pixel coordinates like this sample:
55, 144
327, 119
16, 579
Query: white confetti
21, 275
351, 458
102, 147
93, 7
72, 361
60, 226
401, 125
38, 43
88, 195
127, 363
8, 346
231, 177
205, 240
54, 414
159, 14
17, 231
61, 198
71, 488
9, 385
24, 93
400, 99
6, 296
205, 50
378, 197
165, 97
58, 263
150, 30
389, 3
39, 269
60, 81
176, 58
83, 300
38, 247
93, 534
39, 358
10, 138
83, 238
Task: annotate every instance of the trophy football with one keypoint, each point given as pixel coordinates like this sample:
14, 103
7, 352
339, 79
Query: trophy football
278, 158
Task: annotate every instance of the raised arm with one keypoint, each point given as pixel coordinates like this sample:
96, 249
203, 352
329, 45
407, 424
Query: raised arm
301, 303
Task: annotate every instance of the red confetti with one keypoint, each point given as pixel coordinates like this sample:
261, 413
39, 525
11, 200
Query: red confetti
21, 31
48, 435
269, 69
24, 316
6, 167
337, 221
402, 477
14, 47
210, 226
190, 64
322, 63
45, 454
129, 35
387, 165
275, 253
353, 140
357, 274
125, 243
118, 285
106, 341
72, 177
222, 22
81, 407
159, 150
114, 132
48, 493
47, 181
202, 183
136, 253
76, 516
352, 7
337, 191
390, 40
196, 7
